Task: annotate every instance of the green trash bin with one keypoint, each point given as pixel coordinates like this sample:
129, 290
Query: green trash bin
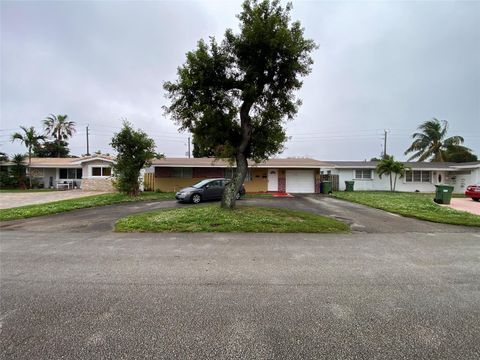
326, 187
349, 185
443, 195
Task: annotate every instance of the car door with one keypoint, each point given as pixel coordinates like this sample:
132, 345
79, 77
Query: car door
214, 190
210, 190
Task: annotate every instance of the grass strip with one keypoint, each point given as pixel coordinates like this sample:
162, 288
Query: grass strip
211, 218
415, 205
56, 207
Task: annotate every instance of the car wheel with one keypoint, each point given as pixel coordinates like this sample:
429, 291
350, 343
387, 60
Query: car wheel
237, 197
475, 199
196, 198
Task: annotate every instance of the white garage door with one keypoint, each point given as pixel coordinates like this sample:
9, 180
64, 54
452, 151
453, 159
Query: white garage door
300, 181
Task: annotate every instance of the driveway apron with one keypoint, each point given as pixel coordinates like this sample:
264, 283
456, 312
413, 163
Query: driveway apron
361, 218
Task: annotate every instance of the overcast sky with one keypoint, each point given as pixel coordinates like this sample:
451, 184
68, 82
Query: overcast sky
380, 65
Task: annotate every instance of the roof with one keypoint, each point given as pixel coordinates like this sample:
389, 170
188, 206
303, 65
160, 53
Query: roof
221, 163
66, 162
422, 165
95, 158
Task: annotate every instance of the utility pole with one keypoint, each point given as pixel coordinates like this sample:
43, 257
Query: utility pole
88, 147
189, 147
385, 145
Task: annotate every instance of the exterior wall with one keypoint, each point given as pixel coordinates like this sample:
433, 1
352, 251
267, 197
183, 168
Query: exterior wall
461, 179
282, 181
100, 184
207, 173
164, 182
87, 167
259, 182
96, 183
43, 176
383, 184
317, 181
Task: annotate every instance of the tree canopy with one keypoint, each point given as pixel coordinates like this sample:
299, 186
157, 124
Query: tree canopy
432, 143
390, 167
61, 129
234, 96
30, 138
135, 151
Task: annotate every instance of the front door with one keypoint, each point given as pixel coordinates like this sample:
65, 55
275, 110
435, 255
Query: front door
272, 180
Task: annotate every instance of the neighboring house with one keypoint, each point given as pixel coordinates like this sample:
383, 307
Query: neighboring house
295, 175
422, 176
92, 173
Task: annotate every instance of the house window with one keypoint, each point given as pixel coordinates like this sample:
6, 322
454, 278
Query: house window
183, 173
73, 174
101, 171
418, 176
230, 172
365, 174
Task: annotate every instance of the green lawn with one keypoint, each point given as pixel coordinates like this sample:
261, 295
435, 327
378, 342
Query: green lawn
416, 205
258, 195
211, 218
55, 207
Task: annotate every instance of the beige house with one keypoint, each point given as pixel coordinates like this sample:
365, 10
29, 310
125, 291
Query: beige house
293, 175
92, 173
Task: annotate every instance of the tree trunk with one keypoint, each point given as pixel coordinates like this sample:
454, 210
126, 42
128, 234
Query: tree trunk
391, 186
395, 183
231, 190
29, 165
233, 187
58, 143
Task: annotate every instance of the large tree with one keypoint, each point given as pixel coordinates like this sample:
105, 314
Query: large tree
199, 152
234, 96
30, 138
61, 129
135, 151
388, 166
459, 154
18, 170
52, 149
432, 142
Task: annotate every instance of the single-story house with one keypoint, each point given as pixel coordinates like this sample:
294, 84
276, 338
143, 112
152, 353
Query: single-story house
304, 175
92, 173
421, 176
294, 175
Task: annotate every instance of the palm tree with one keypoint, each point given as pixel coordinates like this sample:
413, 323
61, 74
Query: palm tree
59, 127
389, 166
30, 138
18, 170
431, 143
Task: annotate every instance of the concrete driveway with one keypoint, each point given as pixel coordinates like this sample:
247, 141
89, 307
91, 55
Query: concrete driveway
14, 199
75, 290
465, 204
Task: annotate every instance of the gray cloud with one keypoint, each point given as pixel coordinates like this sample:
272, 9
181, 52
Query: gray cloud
379, 66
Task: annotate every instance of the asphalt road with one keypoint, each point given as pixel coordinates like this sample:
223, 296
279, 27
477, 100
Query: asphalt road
79, 291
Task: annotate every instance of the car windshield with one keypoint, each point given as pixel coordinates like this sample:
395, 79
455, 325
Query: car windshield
201, 184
